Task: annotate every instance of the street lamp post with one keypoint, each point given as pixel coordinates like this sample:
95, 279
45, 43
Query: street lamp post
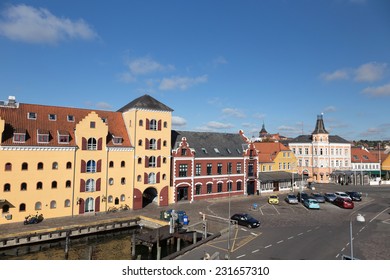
360, 219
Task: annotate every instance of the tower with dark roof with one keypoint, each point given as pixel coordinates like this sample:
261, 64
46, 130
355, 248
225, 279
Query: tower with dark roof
320, 126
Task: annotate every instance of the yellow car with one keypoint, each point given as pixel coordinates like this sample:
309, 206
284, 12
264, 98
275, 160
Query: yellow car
273, 199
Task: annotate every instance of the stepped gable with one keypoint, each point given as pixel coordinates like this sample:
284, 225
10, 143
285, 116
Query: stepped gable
211, 144
64, 123
145, 102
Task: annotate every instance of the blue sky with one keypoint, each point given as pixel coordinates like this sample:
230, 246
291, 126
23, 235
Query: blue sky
221, 65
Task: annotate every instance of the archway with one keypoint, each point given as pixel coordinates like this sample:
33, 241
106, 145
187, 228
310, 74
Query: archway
149, 196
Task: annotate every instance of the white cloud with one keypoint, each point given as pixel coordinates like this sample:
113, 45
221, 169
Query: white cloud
213, 125
178, 121
233, 112
330, 109
146, 65
181, 83
219, 61
370, 72
38, 25
341, 74
378, 91
127, 77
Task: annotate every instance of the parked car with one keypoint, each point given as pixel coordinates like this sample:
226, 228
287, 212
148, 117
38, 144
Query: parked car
355, 196
291, 199
319, 197
273, 199
311, 203
302, 196
247, 220
330, 197
341, 194
344, 202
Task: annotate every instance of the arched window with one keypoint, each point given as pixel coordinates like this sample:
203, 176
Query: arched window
153, 125
141, 122
90, 185
123, 180
7, 187
110, 198
111, 181
139, 178
91, 166
39, 186
164, 176
152, 161
40, 166
123, 163
152, 144
111, 164
55, 165
123, 197
8, 166
165, 124
89, 205
164, 160
68, 165
38, 206
139, 142
22, 207
165, 143
23, 186
54, 184
92, 144
152, 178
68, 184
53, 204
116, 201
24, 166
139, 160
67, 203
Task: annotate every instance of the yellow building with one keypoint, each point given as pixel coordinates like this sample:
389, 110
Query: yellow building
274, 156
60, 161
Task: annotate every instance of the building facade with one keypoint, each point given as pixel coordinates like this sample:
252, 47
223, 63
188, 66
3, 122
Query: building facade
60, 161
212, 165
322, 157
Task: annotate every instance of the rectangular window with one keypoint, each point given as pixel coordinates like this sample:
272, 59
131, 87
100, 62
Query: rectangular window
52, 117
70, 118
239, 185
229, 168
219, 168
198, 189
64, 139
43, 138
183, 170
20, 137
32, 116
198, 169
209, 168
183, 152
92, 124
238, 167
209, 188
219, 187
117, 140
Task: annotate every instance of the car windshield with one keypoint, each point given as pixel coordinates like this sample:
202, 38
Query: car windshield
331, 194
291, 196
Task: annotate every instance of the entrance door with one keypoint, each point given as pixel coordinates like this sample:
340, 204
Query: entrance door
182, 193
250, 187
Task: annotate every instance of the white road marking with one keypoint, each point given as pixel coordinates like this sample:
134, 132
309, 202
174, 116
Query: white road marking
300, 233
268, 246
291, 237
255, 251
280, 241
239, 257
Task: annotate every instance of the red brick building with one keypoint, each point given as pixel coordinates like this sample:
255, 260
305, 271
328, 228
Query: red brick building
211, 165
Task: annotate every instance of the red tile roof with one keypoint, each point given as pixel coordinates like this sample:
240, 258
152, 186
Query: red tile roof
359, 155
269, 150
16, 120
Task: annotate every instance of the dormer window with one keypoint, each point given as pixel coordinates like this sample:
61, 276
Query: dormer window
117, 140
63, 137
52, 117
19, 136
104, 120
43, 136
32, 116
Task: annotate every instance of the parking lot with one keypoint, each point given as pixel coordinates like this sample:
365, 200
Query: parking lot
292, 231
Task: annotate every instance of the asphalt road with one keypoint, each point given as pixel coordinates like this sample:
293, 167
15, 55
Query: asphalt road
292, 232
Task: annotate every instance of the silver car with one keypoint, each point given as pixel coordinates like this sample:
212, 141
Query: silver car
291, 199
